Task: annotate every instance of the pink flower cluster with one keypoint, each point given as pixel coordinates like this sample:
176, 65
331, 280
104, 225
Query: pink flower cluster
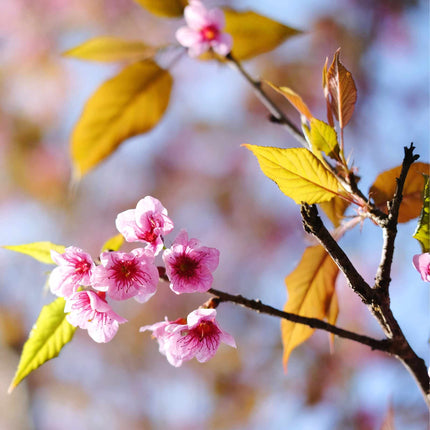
204, 30
86, 286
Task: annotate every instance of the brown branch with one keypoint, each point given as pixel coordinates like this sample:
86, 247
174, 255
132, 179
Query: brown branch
389, 225
313, 224
256, 305
276, 114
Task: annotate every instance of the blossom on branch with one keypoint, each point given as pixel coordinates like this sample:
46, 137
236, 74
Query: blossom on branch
199, 337
148, 223
90, 311
189, 266
74, 270
126, 274
203, 30
422, 264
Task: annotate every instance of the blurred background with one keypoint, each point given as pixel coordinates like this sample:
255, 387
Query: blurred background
192, 161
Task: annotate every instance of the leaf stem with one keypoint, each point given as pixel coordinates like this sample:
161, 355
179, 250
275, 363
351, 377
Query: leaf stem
277, 115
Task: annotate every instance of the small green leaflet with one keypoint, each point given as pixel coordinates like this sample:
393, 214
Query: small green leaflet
41, 251
47, 337
422, 232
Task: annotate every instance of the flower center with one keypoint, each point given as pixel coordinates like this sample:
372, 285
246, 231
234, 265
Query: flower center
82, 267
209, 33
205, 328
128, 269
186, 266
150, 236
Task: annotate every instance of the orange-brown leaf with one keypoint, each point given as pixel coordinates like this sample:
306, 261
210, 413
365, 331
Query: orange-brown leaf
334, 209
384, 188
294, 99
310, 292
327, 94
343, 92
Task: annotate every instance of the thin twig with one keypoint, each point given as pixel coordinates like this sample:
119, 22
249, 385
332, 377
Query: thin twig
376, 344
389, 226
277, 115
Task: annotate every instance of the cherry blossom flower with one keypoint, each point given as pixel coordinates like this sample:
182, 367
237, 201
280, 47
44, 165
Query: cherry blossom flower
89, 310
148, 222
203, 30
189, 266
162, 331
127, 274
422, 264
199, 337
74, 270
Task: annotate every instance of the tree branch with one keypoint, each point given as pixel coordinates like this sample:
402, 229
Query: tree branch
312, 224
256, 305
389, 224
276, 114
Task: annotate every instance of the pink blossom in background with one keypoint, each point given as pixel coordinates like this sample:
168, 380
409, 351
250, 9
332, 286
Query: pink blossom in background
200, 337
422, 264
127, 274
203, 30
90, 311
189, 266
74, 270
148, 223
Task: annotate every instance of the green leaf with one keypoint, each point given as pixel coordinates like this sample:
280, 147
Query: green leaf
41, 251
131, 103
422, 232
254, 34
114, 243
164, 8
324, 138
298, 173
47, 337
311, 288
111, 49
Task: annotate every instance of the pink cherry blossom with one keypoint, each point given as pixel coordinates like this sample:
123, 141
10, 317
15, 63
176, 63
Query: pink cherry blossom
148, 222
90, 311
162, 331
189, 266
200, 337
74, 269
127, 274
422, 264
203, 30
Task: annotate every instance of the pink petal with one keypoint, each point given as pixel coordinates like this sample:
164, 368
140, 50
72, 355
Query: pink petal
126, 224
223, 44
216, 17
198, 49
102, 333
196, 15
422, 264
187, 37
228, 339
199, 315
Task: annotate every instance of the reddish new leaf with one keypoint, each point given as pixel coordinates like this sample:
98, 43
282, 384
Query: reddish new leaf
343, 93
327, 94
